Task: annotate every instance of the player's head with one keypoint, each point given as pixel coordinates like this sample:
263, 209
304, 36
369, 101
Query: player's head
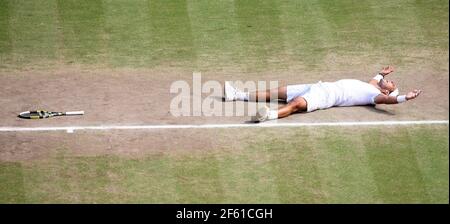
389, 86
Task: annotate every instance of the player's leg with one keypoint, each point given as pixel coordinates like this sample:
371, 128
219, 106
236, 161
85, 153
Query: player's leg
231, 94
268, 95
298, 104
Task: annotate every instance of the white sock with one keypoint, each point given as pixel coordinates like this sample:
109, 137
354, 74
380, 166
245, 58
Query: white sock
273, 114
242, 95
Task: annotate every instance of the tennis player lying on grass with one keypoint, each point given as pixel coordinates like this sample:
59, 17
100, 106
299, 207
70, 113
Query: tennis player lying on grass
323, 95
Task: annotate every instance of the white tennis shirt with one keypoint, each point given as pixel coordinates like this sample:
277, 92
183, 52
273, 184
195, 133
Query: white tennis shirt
349, 92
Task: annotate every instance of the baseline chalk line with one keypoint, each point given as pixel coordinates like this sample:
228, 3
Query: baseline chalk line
71, 129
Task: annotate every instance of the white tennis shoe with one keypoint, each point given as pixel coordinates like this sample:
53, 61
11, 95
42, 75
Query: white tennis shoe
261, 115
229, 92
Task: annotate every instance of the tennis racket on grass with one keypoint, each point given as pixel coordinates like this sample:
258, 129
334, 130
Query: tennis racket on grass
40, 114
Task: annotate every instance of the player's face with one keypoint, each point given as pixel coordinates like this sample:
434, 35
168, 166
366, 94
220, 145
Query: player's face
388, 85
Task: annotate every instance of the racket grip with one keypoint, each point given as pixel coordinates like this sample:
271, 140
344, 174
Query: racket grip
75, 112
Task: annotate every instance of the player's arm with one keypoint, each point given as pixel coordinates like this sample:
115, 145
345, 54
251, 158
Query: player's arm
385, 99
384, 72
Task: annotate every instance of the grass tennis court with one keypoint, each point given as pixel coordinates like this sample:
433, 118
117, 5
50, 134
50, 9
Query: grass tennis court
121, 56
403, 165
254, 35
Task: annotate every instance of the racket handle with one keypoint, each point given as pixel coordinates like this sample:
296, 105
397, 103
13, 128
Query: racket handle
75, 112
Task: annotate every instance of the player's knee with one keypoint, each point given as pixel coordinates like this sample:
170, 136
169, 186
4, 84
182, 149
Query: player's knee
299, 104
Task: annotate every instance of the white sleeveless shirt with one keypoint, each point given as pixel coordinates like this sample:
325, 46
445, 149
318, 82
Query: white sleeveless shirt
349, 92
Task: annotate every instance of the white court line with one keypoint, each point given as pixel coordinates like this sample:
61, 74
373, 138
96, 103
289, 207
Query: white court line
71, 129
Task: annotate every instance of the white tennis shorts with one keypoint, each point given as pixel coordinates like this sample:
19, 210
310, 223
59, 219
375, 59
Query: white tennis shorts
314, 94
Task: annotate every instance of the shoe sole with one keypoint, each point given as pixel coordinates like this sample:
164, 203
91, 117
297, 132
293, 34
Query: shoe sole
261, 115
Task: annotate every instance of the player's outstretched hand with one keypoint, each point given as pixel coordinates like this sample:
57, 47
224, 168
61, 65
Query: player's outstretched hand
413, 94
387, 70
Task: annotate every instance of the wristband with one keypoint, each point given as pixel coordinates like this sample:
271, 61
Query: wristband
401, 99
378, 77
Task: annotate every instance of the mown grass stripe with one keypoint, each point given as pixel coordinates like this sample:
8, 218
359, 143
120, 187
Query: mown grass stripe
246, 172
306, 34
147, 180
171, 40
215, 34
431, 152
345, 175
5, 36
128, 36
395, 168
67, 178
261, 34
33, 32
197, 179
12, 183
295, 166
433, 18
83, 30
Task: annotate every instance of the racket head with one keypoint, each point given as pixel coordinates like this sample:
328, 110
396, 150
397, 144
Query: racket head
35, 114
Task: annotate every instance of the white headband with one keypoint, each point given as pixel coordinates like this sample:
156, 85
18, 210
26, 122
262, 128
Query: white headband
394, 93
